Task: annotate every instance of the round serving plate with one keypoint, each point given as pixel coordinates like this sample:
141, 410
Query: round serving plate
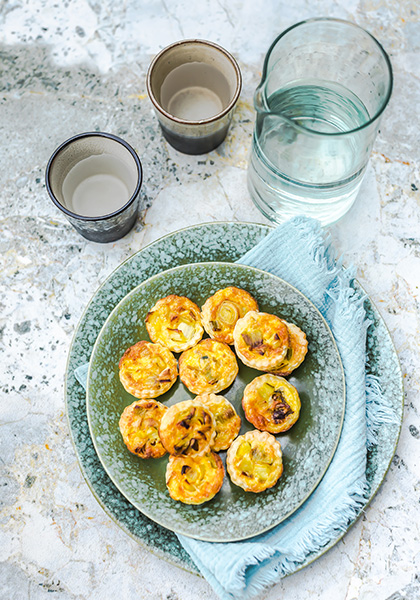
225, 242
307, 447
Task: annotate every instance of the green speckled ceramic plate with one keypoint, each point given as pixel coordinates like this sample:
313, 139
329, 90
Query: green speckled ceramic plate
307, 447
210, 242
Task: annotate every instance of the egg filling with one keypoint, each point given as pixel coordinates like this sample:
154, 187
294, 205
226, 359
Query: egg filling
194, 480
271, 403
228, 422
254, 461
208, 367
261, 340
147, 370
139, 426
221, 311
187, 428
175, 322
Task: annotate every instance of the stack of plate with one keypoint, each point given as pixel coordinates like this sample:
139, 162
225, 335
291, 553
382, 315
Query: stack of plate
133, 491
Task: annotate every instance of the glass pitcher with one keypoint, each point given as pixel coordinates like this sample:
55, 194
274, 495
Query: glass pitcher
324, 87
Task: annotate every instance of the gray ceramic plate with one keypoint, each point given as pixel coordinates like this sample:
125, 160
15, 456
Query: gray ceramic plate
307, 448
210, 242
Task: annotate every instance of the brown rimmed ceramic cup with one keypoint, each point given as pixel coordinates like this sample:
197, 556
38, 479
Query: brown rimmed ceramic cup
95, 178
194, 86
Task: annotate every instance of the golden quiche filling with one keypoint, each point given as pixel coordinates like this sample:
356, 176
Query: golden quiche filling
228, 422
147, 370
194, 479
261, 340
194, 431
210, 366
139, 426
187, 428
175, 322
296, 353
221, 311
271, 403
254, 461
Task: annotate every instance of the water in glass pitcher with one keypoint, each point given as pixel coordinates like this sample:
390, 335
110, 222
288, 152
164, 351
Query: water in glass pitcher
300, 155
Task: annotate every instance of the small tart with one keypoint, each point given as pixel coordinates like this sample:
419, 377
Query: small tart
194, 479
187, 428
175, 322
139, 426
296, 353
261, 340
208, 367
147, 370
228, 422
271, 403
254, 461
221, 311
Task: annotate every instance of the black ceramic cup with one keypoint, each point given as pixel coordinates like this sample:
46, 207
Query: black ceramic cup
194, 86
95, 178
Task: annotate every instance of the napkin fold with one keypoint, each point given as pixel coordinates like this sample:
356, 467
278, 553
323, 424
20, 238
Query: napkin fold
300, 252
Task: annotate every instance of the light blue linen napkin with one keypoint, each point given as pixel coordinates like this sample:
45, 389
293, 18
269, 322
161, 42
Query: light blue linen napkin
299, 251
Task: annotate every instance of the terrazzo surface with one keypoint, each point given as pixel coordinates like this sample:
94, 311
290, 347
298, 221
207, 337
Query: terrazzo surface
80, 66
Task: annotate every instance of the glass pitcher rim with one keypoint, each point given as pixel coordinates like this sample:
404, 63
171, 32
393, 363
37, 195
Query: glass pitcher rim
385, 101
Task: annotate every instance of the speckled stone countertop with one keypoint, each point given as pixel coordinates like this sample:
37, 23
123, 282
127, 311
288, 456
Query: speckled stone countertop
80, 66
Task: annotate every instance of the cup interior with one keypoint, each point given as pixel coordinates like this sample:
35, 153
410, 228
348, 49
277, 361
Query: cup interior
194, 81
93, 175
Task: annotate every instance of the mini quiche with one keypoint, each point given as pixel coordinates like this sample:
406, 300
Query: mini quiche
254, 461
187, 428
271, 403
221, 311
139, 426
208, 367
175, 322
261, 340
228, 422
296, 353
194, 479
147, 370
